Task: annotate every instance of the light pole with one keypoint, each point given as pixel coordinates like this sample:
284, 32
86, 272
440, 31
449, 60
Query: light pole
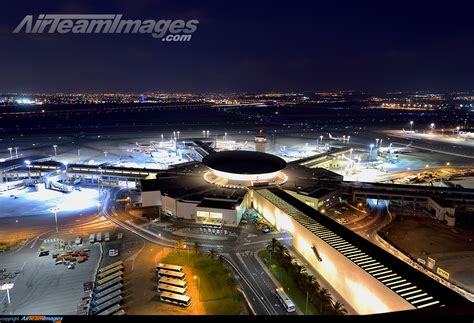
7, 287
16, 152
207, 133
55, 210
199, 286
177, 133
307, 296
411, 125
55, 150
380, 143
348, 138
10, 150
225, 136
105, 153
28, 164
321, 137
377, 142
370, 155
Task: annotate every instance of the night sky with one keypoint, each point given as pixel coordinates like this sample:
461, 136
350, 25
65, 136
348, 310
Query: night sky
246, 46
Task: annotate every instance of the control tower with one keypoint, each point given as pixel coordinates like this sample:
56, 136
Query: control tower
260, 142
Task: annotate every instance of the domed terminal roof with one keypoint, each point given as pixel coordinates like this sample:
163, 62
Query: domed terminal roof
244, 162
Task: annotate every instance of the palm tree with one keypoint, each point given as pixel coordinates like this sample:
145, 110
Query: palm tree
212, 253
286, 261
338, 308
281, 250
180, 245
273, 246
324, 298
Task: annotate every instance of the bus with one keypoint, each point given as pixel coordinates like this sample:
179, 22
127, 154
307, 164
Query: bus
109, 278
115, 264
109, 272
285, 300
172, 281
171, 289
171, 274
169, 267
181, 300
108, 284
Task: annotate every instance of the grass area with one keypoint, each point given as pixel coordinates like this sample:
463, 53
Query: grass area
288, 284
9, 245
218, 297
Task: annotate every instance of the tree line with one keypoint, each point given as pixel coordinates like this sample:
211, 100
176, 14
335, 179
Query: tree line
318, 296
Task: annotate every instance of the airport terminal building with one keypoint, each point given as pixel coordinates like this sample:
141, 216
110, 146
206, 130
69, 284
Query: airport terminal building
216, 191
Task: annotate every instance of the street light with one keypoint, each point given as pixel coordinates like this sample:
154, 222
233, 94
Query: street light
371, 147
55, 150
178, 133
16, 152
28, 164
10, 150
411, 125
7, 287
321, 137
55, 210
199, 286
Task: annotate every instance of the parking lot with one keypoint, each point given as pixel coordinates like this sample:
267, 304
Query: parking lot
41, 286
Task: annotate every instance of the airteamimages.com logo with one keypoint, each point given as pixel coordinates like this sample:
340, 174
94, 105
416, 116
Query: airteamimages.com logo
166, 30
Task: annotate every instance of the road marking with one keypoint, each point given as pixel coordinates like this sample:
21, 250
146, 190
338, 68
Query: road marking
34, 242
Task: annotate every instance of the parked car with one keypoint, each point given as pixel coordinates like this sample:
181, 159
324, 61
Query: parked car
43, 253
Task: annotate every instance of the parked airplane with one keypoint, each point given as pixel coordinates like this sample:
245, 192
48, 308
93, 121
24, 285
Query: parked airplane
336, 138
464, 134
407, 132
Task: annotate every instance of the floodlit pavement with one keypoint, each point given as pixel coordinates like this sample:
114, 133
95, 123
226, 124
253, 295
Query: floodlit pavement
42, 287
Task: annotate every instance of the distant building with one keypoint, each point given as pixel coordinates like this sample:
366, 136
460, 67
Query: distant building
260, 142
